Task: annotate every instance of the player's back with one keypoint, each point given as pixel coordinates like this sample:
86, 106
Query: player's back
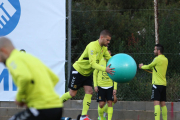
40, 80
159, 71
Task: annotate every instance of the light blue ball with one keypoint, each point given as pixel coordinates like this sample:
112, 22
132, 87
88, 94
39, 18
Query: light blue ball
125, 68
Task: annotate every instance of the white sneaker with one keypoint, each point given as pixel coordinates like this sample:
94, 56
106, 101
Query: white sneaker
84, 117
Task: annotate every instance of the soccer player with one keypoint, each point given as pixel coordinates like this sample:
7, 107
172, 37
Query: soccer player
84, 67
35, 83
159, 66
103, 85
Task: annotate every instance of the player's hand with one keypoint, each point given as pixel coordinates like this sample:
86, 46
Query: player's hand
140, 65
96, 89
114, 92
110, 70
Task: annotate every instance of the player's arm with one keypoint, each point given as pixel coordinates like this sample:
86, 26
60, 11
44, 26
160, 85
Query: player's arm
54, 78
92, 59
95, 77
115, 85
95, 73
150, 66
107, 56
22, 76
115, 88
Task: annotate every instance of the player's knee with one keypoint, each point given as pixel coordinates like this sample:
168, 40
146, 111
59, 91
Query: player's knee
73, 93
101, 105
109, 103
89, 91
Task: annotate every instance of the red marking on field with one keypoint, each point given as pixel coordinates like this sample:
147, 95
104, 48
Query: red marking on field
172, 114
138, 117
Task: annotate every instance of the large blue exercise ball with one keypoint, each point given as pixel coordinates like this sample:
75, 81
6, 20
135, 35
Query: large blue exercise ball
125, 68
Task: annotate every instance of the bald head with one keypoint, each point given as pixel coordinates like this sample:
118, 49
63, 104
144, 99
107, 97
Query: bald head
5, 42
6, 47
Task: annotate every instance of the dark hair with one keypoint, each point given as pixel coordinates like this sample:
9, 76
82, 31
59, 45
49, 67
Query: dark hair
105, 32
160, 47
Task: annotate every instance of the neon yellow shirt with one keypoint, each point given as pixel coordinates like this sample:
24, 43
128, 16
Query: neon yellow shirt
159, 66
101, 78
35, 81
89, 59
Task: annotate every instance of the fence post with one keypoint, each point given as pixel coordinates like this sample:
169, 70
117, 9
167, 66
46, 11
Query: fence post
156, 21
69, 38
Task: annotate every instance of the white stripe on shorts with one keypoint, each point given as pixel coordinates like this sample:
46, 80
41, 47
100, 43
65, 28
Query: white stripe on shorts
74, 72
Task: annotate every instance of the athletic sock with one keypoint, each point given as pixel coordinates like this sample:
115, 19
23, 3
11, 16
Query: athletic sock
106, 107
100, 112
110, 112
157, 112
164, 112
66, 96
86, 103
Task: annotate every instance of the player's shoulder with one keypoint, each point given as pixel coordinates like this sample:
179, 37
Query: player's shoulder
155, 59
92, 44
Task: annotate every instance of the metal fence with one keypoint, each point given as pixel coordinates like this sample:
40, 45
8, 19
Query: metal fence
132, 33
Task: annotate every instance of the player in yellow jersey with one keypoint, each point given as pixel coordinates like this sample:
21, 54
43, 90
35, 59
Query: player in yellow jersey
159, 66
84, 67
35, 83
103, 85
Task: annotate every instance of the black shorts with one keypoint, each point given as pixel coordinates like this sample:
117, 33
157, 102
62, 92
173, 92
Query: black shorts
105, 94
44, 114
77, 80
158, 93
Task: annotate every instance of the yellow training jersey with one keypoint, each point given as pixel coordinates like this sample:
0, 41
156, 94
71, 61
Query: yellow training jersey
35, 81
89, 59
159, 66
101, 78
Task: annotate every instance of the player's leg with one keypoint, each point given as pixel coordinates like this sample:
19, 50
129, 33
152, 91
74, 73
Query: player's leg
87, 99
74, 85
68, 95
164, 110
106, 106
110, 110
101, 98
163, 104
156, 98
157, 110
87, 84
101, 109
110, 99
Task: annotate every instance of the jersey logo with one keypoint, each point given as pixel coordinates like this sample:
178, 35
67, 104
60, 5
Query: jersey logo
13, 65
99, 97
92, 52
75, 86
